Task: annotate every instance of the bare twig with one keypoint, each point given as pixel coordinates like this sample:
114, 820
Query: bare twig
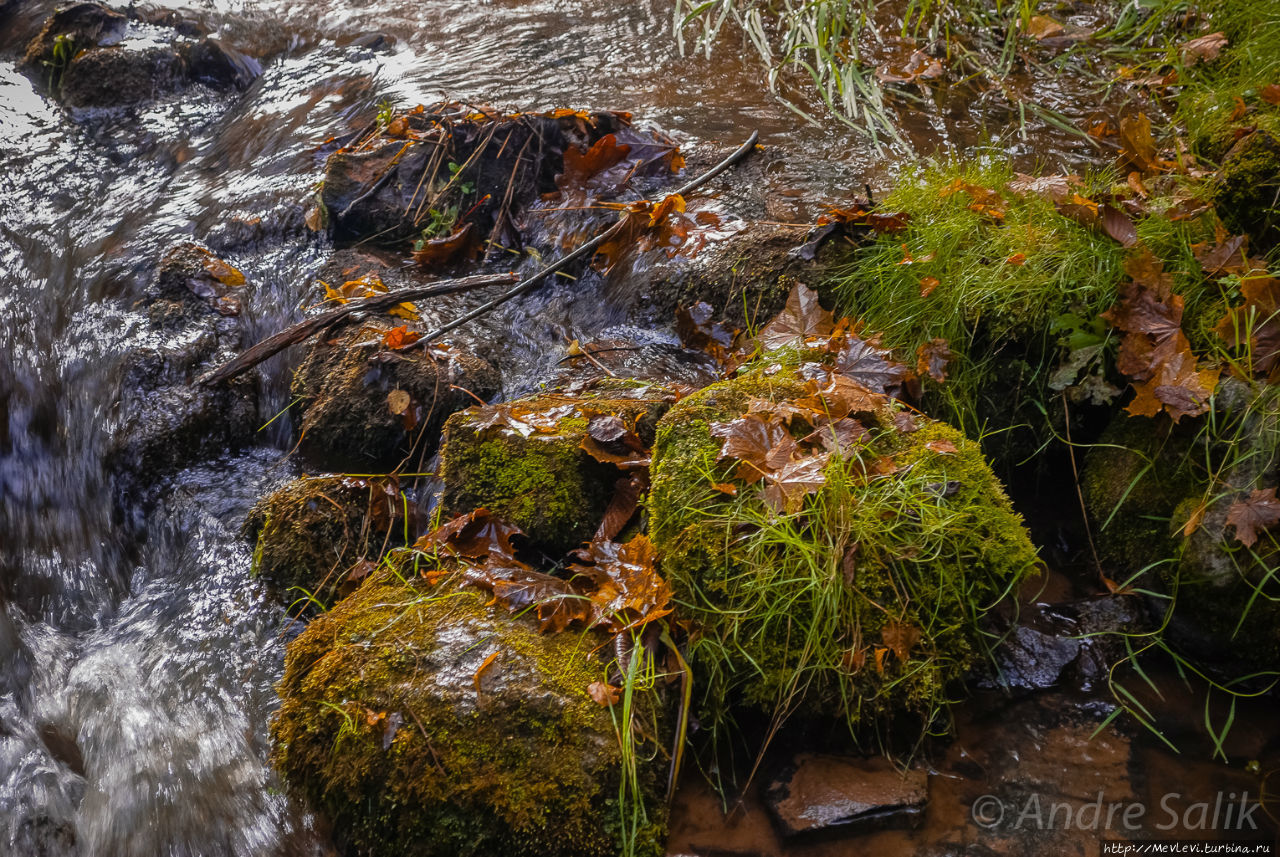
306, 328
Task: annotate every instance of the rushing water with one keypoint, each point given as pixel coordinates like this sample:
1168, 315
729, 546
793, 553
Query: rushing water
137, 655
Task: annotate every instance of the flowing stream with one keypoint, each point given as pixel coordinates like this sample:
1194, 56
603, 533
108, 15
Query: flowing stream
137, 654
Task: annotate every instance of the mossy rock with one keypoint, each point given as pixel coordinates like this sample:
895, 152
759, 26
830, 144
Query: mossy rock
543, 482
1133, 478
799, 611
423, 721
1146, 480
79, 26
310, 532
1246, 191
347, 420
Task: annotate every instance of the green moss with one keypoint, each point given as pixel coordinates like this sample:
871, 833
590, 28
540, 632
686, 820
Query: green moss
792, 608
544, 483
508, 754
312, 530
1246, 191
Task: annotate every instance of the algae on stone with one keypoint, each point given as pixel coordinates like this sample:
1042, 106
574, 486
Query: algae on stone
423, 721
801, 611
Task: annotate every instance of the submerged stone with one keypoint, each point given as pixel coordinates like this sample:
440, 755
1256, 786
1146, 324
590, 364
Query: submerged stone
422, 721
820, 794
190, 324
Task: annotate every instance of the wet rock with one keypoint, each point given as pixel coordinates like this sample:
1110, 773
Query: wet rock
1029, 659
114, 76
93, 57
349, 416
214, 63
190, 325
747, 276
837, 794
1150, 482
387, 186
320, 533
74, 28
524, 460
1246, 191
422, 721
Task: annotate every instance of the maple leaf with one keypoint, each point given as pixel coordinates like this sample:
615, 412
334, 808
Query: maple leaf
751, 440
870, 365
580, 167
1202, 49
400, 337
461, 243
1227, 255
932, 358
1137, 145
1177, 387
786, 488
626, 498
1260, 511
802, 317
477, 534
839, 435
837, 396
602, 694
628, 592
520, 589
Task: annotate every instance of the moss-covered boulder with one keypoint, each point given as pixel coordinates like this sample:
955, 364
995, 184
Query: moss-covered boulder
866, 600
311, 533
1246, 191
350, 417
524, 460
422, 721
1158, 511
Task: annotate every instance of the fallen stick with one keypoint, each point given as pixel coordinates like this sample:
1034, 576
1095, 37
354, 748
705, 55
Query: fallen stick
587, 248
306, 328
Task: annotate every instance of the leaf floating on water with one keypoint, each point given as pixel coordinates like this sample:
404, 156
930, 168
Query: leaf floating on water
1041, 27
1259, 512
1137, 145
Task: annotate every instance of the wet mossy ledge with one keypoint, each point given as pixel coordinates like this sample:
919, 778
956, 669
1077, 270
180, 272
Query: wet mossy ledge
866, 602
422, 720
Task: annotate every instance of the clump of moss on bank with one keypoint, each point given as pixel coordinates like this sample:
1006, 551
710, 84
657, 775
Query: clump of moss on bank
424, 721
864, 604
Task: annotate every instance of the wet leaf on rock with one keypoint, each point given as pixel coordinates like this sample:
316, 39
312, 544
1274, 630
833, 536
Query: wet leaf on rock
699, 330
605, 695
866, 363
786, 488
750, 440
401, 337
609, 441
1260, 511
458, 245
623, 505
478, 535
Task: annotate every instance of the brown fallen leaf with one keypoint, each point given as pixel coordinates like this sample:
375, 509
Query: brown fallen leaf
786, 488
1270, 93
866, 363
484, 665
401, 337
398, 401
1260, 511
604, 695
1041, 27
1202, 49
941, 447
1119, 226
627, 591
932, 358
1137, 145
927, 285
802, 317
751, 440
460, 244
622, 506
900, 638
1255, 324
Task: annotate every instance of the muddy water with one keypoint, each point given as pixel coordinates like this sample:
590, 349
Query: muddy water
137, 655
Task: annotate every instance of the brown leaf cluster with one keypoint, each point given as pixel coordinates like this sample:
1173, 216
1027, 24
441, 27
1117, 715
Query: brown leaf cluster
1154, 351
